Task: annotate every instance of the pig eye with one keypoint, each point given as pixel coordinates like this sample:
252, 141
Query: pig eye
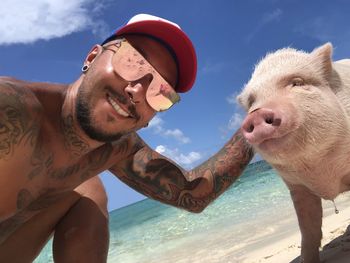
296, 82
251, 100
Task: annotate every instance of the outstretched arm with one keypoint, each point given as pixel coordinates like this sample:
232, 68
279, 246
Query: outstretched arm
159, 178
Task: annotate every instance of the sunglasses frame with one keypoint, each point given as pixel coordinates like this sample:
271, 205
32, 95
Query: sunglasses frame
172, 97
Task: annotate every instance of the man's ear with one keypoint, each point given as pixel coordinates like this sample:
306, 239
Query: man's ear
94, 52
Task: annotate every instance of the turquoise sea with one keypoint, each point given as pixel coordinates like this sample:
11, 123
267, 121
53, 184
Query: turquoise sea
257, 205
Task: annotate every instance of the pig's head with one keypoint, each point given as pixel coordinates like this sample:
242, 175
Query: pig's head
293, 112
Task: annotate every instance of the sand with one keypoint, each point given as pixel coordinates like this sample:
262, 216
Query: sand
285, 247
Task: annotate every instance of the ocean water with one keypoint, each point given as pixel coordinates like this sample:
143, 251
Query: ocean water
257, 205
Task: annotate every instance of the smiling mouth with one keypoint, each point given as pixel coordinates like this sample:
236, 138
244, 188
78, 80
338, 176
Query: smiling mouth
117, 108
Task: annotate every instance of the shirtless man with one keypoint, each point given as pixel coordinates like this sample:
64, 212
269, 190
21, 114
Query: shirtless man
55, 139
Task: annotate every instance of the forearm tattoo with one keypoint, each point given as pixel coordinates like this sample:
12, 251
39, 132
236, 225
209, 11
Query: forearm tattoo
217, 174
158, 178
225, 167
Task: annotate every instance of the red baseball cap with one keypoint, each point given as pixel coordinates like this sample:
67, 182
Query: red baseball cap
172, 35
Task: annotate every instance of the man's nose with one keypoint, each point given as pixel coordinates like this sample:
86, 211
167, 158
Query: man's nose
137, 89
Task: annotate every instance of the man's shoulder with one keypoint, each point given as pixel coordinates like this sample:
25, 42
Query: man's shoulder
16, 94
14, 91
20, 119
12, 85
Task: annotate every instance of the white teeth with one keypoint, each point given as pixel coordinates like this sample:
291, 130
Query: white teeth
117, 108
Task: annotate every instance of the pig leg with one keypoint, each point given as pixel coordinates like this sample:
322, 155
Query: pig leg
308, 207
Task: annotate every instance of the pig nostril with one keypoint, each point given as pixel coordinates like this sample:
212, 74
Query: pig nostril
250, 128
277, 122
269, 120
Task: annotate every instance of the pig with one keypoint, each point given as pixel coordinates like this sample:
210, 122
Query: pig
298, 120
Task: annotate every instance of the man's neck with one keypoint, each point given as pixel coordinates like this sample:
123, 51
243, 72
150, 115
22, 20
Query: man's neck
76, 140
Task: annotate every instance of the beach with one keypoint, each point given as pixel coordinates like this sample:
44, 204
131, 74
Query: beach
278, 243
254, 221
286, 248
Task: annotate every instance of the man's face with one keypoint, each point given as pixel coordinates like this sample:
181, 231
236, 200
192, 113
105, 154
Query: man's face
107, 105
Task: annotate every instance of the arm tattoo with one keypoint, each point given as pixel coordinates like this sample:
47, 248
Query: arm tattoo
222, 169
158, 178
10, 225
27, 202
27, 207
11, 129
17, 108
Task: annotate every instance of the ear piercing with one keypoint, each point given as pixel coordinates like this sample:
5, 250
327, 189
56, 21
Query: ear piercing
85, 68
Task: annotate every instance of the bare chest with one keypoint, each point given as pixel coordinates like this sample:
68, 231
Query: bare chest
39, 177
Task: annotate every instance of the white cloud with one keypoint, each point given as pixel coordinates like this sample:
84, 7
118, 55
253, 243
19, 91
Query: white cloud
235, 121
328, 29
186, 160
178, 135
267, 18
231, 99
156, 124
273, 16
237, 117
31, 20
320, 28
213, 67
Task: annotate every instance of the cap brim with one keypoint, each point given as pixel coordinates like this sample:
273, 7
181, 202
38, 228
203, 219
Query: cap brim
176, 39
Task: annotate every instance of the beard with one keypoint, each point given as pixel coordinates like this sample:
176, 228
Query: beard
83, 115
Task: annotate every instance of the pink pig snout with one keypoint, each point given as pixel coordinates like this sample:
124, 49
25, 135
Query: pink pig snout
260, 125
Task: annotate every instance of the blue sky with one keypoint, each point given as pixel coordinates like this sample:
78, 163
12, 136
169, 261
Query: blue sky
47, 40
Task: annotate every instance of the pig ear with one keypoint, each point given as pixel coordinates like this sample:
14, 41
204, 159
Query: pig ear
322, 58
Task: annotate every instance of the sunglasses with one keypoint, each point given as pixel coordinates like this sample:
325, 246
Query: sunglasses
130, 65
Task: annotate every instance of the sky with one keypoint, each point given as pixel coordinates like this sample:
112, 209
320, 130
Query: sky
47, 40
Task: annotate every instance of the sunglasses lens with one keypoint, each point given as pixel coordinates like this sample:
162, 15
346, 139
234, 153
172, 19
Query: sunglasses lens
129, 64
161, 96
